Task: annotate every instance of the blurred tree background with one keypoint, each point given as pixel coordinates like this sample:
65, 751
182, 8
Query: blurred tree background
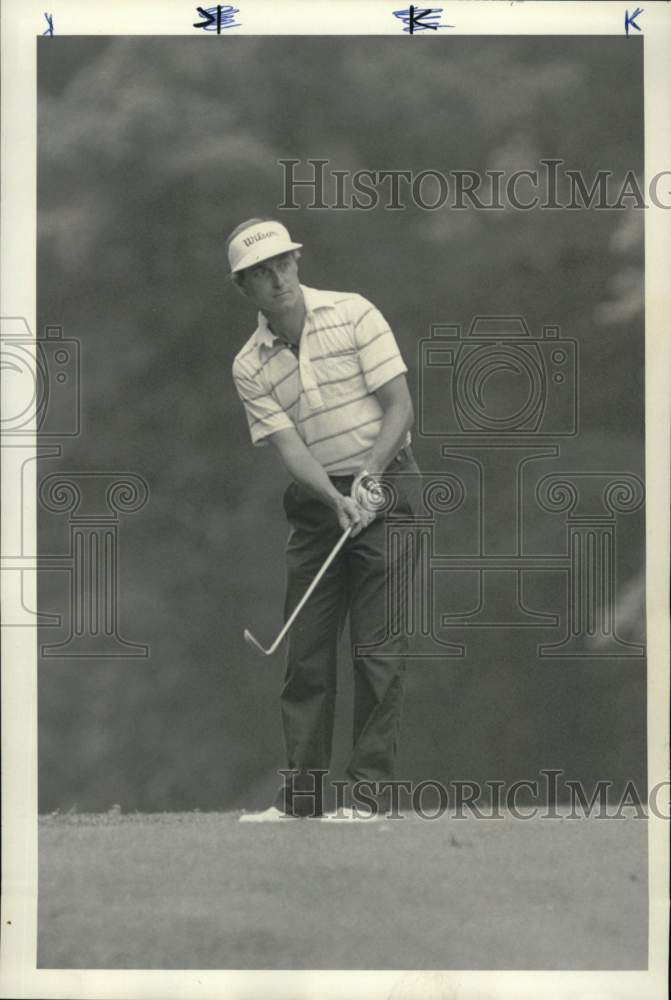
150, 150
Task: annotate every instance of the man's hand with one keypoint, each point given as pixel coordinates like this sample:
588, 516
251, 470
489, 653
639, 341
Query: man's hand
311, 475
350, 514
369, 492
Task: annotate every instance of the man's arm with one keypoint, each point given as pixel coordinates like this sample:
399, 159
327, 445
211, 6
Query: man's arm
394, 398
307, 471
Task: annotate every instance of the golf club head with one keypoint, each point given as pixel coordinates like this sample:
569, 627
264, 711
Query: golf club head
254, 642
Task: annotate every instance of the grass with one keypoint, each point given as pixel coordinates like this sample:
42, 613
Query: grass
201, 891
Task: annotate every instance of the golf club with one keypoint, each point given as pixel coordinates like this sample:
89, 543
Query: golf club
301, 604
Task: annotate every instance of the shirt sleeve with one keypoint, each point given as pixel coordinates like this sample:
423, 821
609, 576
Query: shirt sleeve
264, 414
379, 356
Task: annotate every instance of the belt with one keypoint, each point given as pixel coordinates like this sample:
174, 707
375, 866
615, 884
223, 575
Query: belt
404, 455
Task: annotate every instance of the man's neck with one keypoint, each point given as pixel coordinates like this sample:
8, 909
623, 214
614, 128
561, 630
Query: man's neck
288, 325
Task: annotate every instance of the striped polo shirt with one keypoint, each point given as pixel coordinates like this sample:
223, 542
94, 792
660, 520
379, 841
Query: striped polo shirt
327, 392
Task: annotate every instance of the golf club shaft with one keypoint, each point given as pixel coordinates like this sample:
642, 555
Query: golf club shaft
306, 596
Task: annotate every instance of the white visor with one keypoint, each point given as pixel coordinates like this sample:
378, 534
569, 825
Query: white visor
257, 243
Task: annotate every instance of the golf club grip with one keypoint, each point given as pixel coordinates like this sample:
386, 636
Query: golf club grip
327, 562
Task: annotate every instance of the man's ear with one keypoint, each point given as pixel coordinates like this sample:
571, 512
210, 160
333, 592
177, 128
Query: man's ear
239, 282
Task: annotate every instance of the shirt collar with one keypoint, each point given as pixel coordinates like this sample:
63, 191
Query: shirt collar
314, 298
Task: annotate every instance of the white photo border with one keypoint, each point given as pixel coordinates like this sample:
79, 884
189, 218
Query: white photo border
23, 21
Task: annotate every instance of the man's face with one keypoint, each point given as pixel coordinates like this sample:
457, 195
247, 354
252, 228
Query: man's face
273, 284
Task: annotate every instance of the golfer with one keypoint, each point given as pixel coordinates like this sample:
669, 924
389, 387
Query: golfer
322, 381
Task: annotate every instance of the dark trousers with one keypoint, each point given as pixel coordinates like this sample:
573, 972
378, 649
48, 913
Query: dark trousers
369, 580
